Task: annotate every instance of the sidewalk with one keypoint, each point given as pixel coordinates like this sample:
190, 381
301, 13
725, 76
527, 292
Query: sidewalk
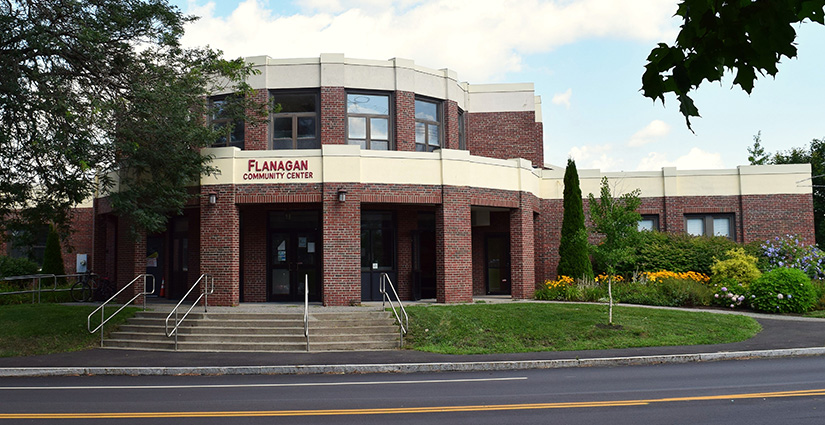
781, 336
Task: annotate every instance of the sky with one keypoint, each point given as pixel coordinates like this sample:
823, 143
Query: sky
585, 58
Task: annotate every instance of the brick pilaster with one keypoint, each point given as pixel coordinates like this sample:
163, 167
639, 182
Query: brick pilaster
220, 243
342, 245
454, 247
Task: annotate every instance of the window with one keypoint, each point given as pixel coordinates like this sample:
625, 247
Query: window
232, 130
295, 125
368, 121
710, 225
427, 125
649, 222
29, 243
462, 133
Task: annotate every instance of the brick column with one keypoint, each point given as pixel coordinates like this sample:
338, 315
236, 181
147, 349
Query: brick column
341, 245
522, 249
131, 258
256, 134
404, 121
454, 247
333, 116
220, 243
450, 124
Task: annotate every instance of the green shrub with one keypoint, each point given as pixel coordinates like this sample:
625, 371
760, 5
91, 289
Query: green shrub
17, 266
782, 290
819, 294
664, 292
677, 252
53, 256
729, 292
739, 266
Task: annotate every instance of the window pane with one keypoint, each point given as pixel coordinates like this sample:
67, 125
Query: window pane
379, 129
368, 104
282, 128
426, 110
306, 127
379, 145
721, 227
433, 138
357, 128
309, 144
420, 132
295, 102
363, 143
696, 226
645, 224
282, 143
218, 110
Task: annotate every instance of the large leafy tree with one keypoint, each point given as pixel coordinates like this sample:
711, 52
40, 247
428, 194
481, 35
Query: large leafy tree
814, 155
574, 258
747, 37
95, 89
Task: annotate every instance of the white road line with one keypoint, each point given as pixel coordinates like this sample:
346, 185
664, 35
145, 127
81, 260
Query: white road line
304, 384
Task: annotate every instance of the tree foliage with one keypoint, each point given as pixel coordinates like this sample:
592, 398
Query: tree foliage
746, 37
814, 155
53, 255
574, 258
93, 88
616, 220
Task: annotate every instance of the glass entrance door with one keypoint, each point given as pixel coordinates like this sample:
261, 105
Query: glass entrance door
498, 264
294, 256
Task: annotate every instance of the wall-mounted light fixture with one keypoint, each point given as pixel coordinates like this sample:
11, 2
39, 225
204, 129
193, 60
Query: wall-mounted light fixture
342, 195
213, 198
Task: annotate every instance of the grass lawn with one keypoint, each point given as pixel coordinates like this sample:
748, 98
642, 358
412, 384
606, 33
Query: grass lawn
525, 327
30, 329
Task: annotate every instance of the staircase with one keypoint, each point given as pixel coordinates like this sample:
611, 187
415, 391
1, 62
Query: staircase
223, 330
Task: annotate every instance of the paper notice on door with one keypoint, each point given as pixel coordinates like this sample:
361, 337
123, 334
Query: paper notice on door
302, 242
310, 247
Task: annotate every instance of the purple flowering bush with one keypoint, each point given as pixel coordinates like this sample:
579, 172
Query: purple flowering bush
782, 290
728, 292
789, 251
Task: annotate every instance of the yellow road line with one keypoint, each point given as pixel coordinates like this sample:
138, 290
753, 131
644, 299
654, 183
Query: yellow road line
403, 410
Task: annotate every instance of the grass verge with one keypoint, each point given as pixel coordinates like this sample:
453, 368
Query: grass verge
525, 327
32, 329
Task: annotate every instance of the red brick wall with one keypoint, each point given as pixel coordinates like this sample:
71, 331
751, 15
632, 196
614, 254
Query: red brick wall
253, 251
342, 247
404, 121
547, 249
453, 247
522, 254
407, 219
131, 258
219, 243
256, 134
506, 135
768, 216
333, 116
451, 124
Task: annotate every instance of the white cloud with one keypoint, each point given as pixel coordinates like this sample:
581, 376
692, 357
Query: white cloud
696, 159
655, 130
563, 98
595, 156
480, 39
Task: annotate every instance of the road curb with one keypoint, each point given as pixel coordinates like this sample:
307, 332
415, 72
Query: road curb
410, 367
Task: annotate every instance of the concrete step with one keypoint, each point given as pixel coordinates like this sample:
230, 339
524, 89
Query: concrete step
260, 331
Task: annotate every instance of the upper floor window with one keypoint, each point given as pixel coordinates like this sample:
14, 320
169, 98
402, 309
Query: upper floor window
222, 119
649, 222
427, 125
710, 225
368, 121
295, 125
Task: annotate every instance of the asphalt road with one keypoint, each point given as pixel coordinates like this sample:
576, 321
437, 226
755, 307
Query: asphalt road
776, 391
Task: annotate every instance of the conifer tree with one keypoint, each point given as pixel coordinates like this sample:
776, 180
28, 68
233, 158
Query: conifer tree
52, 256
574, 260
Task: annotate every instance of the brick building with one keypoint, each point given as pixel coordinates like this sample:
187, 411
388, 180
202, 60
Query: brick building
375, 167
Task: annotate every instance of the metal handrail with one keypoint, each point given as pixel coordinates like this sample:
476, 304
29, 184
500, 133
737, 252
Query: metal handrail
36, 278
306, 309
208, 281
403, 326
102, 307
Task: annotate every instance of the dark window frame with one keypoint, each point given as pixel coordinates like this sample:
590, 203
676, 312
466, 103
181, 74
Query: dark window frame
231, 125
390, 117
654, 218
462, 130
295, 116
708, 222
439, 122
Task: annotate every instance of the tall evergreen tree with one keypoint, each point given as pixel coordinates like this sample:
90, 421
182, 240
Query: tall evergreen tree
574, 260
53, 256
